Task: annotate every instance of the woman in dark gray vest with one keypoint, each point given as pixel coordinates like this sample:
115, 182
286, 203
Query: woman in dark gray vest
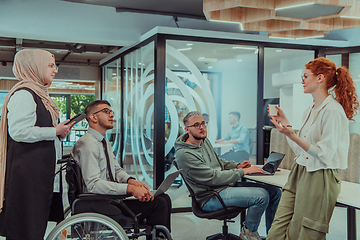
30, 144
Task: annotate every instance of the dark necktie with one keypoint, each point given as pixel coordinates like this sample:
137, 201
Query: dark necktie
107, 160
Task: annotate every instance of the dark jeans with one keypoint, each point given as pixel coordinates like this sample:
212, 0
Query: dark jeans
156, 212
238, 156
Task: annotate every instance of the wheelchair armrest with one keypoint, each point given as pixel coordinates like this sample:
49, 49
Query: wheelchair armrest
211, 192
94, 196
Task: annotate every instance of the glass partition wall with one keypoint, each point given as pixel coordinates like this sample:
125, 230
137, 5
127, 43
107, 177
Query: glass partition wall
155, 83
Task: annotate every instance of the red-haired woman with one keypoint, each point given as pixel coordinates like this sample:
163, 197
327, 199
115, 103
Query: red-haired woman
321, 147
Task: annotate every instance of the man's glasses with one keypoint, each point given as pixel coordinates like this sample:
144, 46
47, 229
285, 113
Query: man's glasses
53, 66
105, 110
198, 125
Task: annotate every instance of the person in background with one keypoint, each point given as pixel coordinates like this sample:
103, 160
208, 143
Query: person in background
102, 177
204, 170
321, 147
30, 145
239, 137
206, 117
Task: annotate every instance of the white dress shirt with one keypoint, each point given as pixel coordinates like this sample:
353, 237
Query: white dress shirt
21, 125
88, 151
326, 128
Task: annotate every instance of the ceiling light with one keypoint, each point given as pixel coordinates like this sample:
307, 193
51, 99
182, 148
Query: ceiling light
57, 51
210, 67
211, 20
189, 44
319, 36
245, 48
114, 74
176, 65
294, 6
241, 27
184, 49
355, 17
63, 83
278, 50
239, 60
282, 38
203, 59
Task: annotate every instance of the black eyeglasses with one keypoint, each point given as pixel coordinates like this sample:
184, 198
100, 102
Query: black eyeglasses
198, 125
105, 110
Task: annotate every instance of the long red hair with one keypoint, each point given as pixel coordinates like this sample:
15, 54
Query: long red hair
341, 82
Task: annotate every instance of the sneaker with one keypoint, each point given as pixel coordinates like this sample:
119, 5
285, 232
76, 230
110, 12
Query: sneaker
246, 234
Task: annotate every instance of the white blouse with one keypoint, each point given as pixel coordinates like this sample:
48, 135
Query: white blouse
21, 125
326, 128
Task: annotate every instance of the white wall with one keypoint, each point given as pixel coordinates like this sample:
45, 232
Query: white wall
239, 91
6, 71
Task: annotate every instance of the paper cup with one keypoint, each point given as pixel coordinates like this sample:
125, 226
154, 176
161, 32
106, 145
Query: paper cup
272, 110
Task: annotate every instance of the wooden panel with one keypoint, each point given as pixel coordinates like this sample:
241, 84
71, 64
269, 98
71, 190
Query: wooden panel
213, 5
333, 24
259, 15
242, 15
272, 25
6, 85
353, 11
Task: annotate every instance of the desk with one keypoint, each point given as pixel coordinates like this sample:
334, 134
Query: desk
349, 196
223, 147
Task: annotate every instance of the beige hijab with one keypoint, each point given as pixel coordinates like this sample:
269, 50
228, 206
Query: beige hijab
30, 67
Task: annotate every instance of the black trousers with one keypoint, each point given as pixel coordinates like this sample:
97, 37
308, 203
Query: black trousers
238, 156
156, 212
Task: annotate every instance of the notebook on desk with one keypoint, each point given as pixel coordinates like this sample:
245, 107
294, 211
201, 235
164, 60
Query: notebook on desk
272, 163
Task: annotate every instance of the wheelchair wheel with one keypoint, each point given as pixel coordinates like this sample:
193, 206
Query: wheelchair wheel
88, 226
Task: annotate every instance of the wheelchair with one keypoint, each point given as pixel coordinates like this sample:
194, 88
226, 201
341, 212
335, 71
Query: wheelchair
96, 216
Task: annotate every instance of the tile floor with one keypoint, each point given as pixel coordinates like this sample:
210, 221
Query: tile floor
186, 226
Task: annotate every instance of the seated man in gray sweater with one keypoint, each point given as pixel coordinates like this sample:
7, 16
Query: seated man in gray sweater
204, 170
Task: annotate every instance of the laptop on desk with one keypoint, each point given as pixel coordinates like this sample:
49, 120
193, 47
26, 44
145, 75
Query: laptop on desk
165, 185
272, 163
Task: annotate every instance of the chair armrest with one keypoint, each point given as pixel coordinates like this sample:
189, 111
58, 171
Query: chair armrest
211, 192
94, 196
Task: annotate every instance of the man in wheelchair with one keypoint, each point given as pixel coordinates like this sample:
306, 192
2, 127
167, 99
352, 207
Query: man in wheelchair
102, 173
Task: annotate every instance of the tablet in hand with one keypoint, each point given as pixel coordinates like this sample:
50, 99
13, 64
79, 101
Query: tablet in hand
77, 118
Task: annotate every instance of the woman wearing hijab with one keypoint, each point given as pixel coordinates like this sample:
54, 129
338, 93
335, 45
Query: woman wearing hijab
321, 148
30, 146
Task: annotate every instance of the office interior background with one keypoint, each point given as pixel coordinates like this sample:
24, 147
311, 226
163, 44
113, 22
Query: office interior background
155, 61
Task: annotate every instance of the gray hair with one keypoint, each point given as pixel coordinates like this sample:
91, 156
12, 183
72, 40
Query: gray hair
191, 115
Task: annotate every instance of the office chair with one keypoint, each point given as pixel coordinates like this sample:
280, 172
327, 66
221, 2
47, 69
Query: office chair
225, 214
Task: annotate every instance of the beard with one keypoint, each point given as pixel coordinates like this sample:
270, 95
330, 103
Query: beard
199, 138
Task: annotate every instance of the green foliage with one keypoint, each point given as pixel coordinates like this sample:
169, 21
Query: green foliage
78, 103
